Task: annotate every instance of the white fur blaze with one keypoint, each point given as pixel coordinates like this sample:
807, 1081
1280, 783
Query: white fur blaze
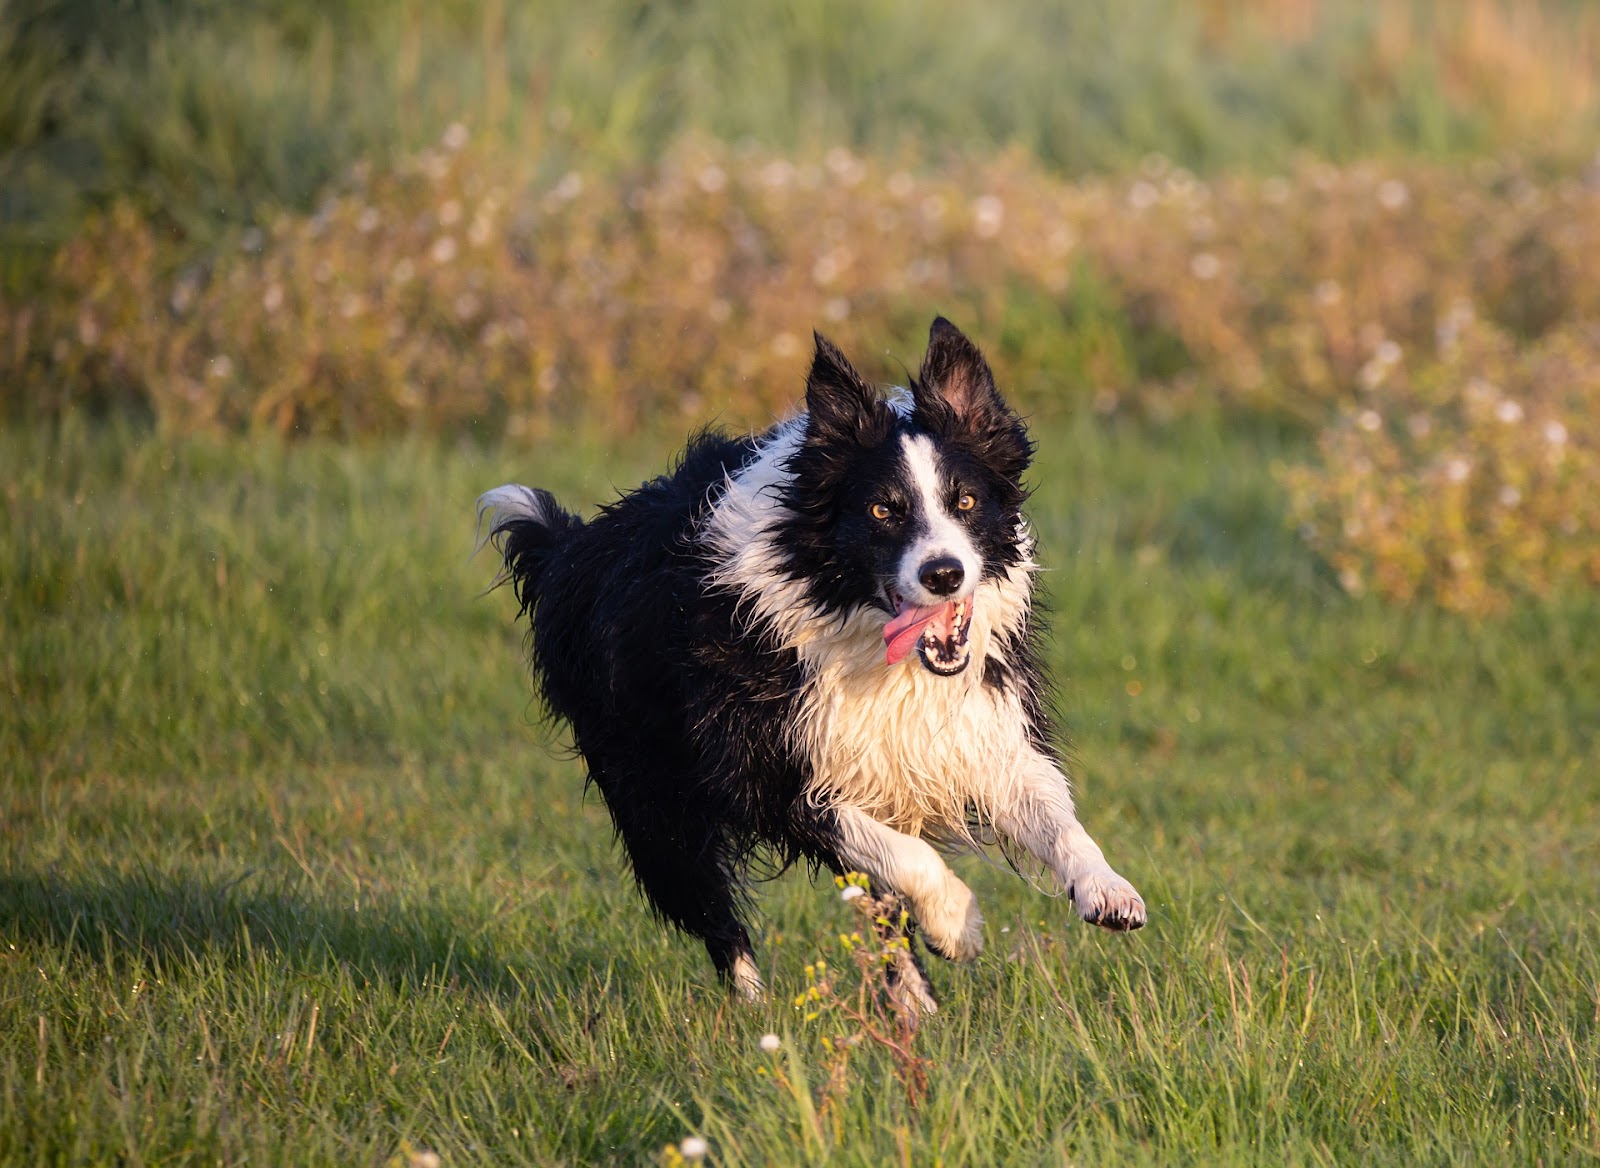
944, 536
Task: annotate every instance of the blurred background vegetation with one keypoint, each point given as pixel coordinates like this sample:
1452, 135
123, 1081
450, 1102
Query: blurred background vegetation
516, 219
209, 113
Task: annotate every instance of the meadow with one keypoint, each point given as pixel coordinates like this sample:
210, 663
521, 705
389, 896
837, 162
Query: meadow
292, 872
1299, 296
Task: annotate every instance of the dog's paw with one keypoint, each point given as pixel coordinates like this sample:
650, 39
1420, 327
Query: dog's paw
951, 924
909, 988
1103, 898
745, 979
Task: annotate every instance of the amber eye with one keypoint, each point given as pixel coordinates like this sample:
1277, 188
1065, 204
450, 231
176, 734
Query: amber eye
880, 511
966, 503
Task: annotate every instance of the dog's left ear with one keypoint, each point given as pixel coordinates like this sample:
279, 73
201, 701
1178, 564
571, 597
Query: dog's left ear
955, 390
955, 375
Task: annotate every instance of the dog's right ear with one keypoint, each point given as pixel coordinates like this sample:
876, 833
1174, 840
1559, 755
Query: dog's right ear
839, 404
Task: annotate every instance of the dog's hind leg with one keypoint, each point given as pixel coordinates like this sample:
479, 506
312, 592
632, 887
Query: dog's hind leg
685, 869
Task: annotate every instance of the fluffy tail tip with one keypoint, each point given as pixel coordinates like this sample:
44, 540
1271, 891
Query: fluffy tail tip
506, 507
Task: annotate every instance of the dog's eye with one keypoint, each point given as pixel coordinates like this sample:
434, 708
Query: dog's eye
880, 511
966, 503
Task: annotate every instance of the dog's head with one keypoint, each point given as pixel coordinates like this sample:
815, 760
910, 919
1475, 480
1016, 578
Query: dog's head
908, 505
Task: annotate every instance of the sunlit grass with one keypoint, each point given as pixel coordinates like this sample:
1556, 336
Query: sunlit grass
241, 917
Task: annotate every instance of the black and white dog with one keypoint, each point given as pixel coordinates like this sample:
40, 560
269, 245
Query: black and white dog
818, 641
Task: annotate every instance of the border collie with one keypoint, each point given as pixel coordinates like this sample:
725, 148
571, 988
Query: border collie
815, 641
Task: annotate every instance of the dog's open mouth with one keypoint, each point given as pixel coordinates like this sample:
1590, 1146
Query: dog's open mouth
938, 632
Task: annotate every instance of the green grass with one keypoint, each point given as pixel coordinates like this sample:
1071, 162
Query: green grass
289, 872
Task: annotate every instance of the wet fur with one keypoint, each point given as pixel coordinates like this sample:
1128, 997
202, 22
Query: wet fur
715, 641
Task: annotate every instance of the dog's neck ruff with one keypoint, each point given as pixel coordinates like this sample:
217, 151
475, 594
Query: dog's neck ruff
915, 750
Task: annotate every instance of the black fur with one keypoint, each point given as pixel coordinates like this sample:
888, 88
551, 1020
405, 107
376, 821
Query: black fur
679, 702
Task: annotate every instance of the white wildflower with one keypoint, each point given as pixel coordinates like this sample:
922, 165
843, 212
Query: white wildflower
777, 174
852, 892
770, 1042
1393, 195
826, 269
988, 216
712, 178
845, 166
569, 188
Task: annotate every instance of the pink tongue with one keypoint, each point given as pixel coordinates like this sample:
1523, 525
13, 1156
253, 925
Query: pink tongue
901, 634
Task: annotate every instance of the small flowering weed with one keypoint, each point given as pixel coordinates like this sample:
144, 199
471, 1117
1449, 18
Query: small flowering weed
865, 1003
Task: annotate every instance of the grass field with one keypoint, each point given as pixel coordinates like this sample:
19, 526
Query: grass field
291, 874
290, 870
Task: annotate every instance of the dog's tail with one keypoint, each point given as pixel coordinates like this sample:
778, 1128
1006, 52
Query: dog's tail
525, 526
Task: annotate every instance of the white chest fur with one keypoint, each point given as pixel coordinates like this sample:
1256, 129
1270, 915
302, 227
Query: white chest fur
916, 751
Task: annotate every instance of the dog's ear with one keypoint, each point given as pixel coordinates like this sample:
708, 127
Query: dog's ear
954, 393
839, 403
955, 377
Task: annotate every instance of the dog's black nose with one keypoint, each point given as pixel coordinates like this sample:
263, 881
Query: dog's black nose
942, 576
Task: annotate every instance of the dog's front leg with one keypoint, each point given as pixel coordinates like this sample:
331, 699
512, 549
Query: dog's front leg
945, 908
1037, 813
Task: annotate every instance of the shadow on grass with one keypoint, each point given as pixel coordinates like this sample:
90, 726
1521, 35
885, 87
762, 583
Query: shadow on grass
180, 920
